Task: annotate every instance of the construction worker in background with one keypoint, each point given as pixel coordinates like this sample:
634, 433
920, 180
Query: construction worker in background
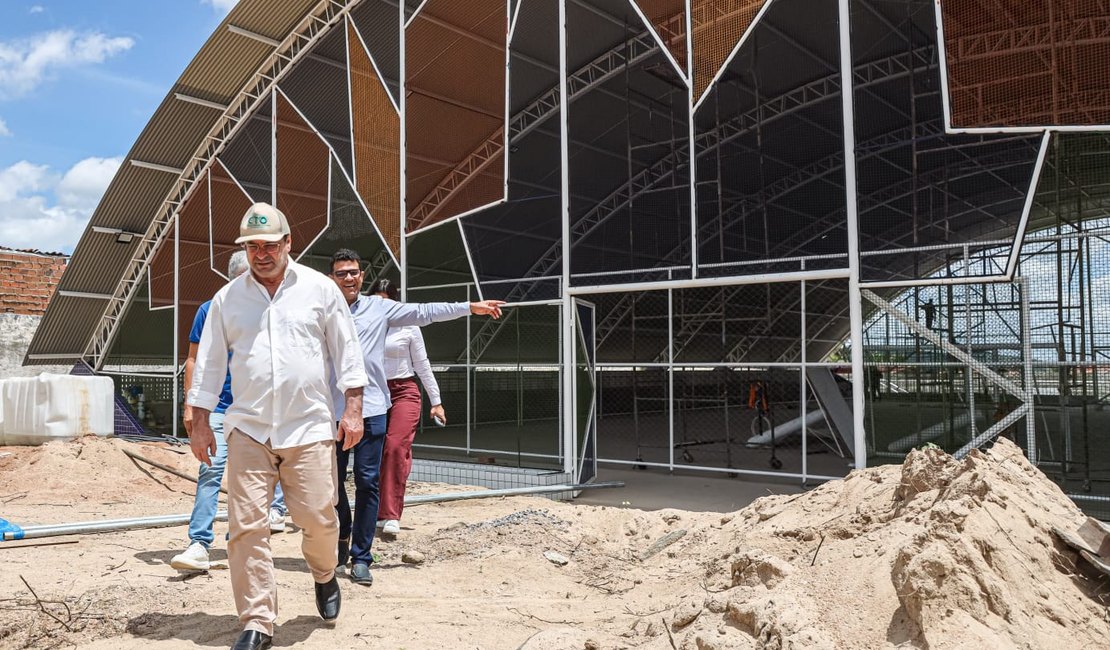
195, 557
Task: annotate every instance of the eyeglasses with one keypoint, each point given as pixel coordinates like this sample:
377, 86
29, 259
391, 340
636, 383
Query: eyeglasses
270, 248
346, 273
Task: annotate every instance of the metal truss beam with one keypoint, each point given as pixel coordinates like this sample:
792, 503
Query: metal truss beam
311, 28
593, 74
866, 74
1090, 30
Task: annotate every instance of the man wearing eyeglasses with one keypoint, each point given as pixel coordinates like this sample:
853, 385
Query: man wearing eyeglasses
374, 316
287, 328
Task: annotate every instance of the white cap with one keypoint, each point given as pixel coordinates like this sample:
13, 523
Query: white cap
262, 222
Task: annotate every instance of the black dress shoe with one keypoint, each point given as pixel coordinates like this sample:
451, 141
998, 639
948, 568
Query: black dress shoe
252, 640
344, 552
360, 574
328, 599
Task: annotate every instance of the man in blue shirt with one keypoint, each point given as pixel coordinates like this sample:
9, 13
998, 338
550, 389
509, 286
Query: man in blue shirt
195, 557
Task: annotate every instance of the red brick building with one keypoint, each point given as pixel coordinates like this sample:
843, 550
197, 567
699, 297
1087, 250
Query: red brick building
28, 279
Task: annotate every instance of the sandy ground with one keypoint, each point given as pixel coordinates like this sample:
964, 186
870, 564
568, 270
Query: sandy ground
933, 554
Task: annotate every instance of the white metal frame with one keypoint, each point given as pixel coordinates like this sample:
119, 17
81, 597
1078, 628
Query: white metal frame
1015, 243
682, 74
855, 307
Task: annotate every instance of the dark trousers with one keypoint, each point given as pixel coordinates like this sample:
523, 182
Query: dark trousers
367, 467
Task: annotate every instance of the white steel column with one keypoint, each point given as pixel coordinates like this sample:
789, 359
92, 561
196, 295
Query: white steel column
855, 305
803, 402
1030, 383
176, 317
402, 148
693, 158
670, 380
570, 452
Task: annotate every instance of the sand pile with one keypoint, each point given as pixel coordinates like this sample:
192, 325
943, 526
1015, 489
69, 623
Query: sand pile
936, 553
95, 469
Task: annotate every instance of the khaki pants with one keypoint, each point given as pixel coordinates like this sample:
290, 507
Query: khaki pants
307, 476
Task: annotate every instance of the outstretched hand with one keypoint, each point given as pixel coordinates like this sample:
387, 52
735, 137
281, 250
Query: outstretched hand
490, 308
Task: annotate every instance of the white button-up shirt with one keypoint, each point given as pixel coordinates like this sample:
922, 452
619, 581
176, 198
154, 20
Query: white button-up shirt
405, 355
283, 351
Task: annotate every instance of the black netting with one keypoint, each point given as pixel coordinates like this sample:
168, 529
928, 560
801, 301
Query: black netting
918, 186
520, 240
318, 88
247, 156
629, 155
770, 149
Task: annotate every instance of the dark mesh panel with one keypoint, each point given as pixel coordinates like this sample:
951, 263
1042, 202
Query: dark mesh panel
629, 162
437, 256
350, 227
521, 238
247, 156
770, 150
918, 186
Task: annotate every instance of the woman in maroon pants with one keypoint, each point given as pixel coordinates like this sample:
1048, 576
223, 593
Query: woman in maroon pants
405, 356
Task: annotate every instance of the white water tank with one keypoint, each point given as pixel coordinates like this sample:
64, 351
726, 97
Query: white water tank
34, 410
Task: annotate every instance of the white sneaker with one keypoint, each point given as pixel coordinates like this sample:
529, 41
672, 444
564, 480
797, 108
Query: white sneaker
195, 558
277, 521
391, 527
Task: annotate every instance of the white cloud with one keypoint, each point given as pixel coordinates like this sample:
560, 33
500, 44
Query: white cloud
222, 5
4, 130
82, 186
36, 9
39, 209
24, 64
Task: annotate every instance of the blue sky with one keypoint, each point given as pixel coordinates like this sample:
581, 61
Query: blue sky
79, 80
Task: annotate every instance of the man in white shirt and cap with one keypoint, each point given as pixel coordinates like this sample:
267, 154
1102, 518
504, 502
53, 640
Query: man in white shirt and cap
287, 328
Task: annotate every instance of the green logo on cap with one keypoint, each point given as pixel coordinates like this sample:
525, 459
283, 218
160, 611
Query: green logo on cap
256, 221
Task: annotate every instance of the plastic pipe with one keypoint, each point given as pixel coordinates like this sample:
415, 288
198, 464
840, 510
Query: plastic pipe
108, 525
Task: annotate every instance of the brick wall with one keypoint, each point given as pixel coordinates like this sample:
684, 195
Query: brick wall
27, 281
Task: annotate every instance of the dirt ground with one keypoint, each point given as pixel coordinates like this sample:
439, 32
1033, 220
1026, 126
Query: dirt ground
935, 553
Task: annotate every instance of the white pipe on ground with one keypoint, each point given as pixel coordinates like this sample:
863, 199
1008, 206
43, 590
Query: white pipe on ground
108, 525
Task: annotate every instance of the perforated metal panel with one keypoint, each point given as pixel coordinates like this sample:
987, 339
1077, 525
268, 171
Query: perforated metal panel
1027, 62
302, 176
376, 129
718, 26
455, 108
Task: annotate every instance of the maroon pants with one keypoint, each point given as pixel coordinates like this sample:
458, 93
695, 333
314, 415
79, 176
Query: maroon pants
404, 415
